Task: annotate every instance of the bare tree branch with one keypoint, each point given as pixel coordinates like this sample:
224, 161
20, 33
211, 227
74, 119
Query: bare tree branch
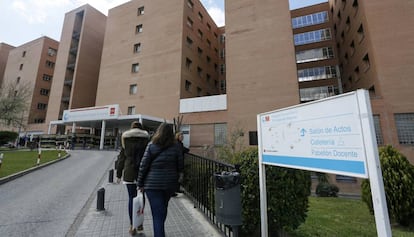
14, 102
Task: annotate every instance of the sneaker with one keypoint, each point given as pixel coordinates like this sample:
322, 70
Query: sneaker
140, 228
132, 231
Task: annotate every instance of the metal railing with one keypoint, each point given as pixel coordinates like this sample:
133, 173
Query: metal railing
199, 186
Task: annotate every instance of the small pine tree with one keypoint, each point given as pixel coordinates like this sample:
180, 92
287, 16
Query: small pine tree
398, 176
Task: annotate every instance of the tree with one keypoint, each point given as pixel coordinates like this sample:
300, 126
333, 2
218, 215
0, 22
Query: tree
13, 103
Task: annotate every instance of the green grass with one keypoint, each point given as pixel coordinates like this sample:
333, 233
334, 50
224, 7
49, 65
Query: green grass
340, 217
16, 161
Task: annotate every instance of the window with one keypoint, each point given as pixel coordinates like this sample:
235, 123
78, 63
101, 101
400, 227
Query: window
220, 133
140, 11
198, 91
405, 128
209, 43
316, 93
39, 120
222, 53
44, 91
200, 34
190, 4
208, 77
208, 27
135, 68
138, 29
222, 69
378, 131
316, 73
352, 45
21, 67
188, 63
208, 59
24, 54
51, 52
361, 33
200, 16
200, 51
187, 85
223, 85
137, 48
189, 22
199, 72
47, 77
222, 38
17, 80
312, 37
131, 110
356, 70
133, 89
189, 42
367, 64
345, 179
348, 24
50, 64
308, 20
216, 85
312, 55
41, 106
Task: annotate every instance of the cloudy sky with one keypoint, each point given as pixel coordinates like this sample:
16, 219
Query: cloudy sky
22, 21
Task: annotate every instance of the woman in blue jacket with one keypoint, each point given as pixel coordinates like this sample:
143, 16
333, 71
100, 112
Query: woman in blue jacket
158, 174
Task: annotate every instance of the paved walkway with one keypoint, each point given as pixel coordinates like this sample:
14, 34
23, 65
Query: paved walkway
183, 219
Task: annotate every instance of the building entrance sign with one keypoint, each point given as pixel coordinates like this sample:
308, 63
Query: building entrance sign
91, 113
333, 135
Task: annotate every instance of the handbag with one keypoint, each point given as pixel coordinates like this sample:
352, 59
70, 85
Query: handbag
138, 205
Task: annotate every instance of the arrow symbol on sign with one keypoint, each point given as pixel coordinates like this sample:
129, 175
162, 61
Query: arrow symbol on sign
302, 132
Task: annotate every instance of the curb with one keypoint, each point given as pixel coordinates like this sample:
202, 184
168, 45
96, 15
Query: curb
24, 172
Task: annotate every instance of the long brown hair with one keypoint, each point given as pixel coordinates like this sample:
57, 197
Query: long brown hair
164, 136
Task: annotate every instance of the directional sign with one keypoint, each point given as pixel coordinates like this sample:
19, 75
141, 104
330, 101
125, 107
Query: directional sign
325, 136
333, 135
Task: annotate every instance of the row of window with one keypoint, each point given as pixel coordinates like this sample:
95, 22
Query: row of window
311, 19
317, 73
189, 63
50, 51
312, 36
312, 55
404, 123
199, 90
189, 43
316, 93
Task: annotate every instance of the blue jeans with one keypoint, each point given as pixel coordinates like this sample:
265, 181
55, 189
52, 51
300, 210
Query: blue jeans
132, 192
158, 200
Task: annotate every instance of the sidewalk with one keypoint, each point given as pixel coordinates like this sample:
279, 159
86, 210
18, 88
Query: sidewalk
183, 219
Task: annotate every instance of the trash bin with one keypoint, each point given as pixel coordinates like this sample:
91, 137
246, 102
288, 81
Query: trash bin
227, 198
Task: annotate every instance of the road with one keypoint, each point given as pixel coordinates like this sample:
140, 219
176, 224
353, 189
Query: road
46, 202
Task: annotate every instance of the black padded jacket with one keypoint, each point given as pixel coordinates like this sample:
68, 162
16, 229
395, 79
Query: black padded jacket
160, 168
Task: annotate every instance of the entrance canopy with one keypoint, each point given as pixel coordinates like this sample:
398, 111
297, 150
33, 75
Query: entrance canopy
104, 117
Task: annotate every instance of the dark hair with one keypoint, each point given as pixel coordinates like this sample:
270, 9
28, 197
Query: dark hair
164, 136
136, 124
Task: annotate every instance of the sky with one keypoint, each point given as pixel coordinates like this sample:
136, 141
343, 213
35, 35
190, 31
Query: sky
22, 21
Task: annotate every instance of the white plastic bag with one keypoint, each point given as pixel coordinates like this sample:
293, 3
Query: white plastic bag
138, 210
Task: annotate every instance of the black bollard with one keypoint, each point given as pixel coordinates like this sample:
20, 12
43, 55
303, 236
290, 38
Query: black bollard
100, 201
111, 175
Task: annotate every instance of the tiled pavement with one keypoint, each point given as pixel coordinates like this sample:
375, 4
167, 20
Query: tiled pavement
183, 219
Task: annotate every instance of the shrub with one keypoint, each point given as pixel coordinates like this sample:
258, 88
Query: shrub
7, 136
287, 195
325, 189
398, 177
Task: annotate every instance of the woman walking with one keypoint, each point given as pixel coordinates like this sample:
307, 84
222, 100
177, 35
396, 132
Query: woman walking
158, 174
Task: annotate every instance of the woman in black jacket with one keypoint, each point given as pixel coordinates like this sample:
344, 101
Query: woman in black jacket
158, 174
